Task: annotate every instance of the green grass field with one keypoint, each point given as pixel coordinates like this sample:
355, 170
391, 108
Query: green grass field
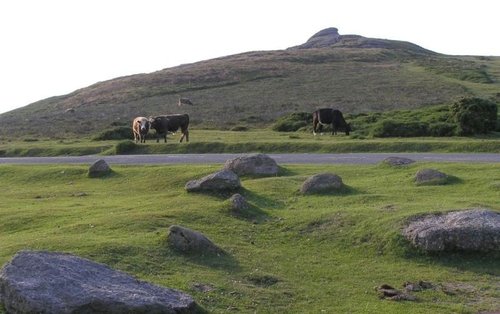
257, 140
294, 254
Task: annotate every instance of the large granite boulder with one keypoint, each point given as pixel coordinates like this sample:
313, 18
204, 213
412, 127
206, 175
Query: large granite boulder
430, 177
224, 180
322, 183
468, 230
49, 282
254, 164
99, 168
191, 241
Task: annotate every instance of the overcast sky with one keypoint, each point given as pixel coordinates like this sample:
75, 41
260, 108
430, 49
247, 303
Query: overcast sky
53, 47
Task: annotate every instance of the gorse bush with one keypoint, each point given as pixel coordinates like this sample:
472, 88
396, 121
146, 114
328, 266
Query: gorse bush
116, 133
125, 147
474, 116
293, 122
392, 128
442, 129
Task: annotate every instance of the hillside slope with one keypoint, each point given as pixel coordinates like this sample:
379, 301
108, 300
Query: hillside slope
350, 72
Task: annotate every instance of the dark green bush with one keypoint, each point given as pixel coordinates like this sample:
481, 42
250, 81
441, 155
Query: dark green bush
116, 133
292, 122
474, 116
392, 128
125, 147
442, 129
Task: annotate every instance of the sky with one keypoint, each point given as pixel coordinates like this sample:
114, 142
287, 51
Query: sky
54, 47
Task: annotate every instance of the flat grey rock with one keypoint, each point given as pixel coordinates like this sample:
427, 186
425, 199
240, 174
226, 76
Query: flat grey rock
224, 180
49, 282
253, 164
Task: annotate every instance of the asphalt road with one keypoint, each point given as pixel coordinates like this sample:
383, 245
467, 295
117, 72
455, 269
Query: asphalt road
353, 158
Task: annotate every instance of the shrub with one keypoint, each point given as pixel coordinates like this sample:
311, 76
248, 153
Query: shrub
474, 116
392, 128
442, 129
125, 147
116, 133
292, 122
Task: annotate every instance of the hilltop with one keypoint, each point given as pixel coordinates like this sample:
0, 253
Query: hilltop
350, 72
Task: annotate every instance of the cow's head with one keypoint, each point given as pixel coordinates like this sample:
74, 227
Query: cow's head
143, 125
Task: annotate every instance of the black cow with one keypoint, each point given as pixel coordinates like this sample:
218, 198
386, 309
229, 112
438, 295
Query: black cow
170, 123
329, 116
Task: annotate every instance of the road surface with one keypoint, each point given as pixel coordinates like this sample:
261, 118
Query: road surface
352, 158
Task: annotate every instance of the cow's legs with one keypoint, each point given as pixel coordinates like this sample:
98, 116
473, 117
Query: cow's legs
185, 134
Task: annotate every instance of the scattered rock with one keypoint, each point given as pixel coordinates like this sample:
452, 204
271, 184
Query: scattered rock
456, 288
397, 161
79, 194
389, 293
417, 286
238, 202
219, 181
254, 164
190, 241
430, 177
468, 230
49, 282
322, 183
99, 168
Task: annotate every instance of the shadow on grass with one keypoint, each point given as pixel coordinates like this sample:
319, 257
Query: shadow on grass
260, 201
345, 190
224, 261
485, 263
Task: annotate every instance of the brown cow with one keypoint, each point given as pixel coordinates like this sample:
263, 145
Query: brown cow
140, 127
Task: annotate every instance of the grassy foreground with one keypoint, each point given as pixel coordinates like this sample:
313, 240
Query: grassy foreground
257, 140
292, 254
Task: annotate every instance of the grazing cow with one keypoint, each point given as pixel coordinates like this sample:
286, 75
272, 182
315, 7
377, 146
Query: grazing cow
184, 101
170, 123
140, 127
329, 116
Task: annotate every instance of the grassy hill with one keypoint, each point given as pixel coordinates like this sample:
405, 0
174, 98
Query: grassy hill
352, 73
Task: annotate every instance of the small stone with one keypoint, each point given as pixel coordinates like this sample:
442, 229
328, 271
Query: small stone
99, 168
224, 180
430, 177
191, 241
322, 183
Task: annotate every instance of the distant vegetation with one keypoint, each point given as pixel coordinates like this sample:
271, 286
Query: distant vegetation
467, 116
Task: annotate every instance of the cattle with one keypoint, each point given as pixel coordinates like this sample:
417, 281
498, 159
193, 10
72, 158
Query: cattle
170, 123
329, 116
140, 127
184, 101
